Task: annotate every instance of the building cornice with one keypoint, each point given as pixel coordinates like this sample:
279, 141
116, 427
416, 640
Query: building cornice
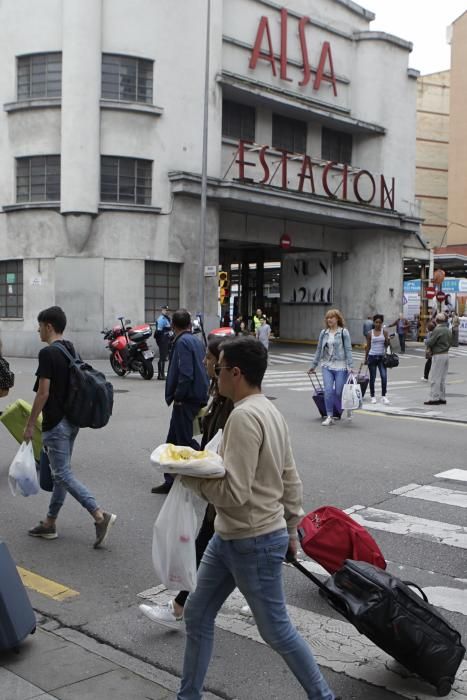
28, 206
140, 107
245, 196
383, 36
332, 114
348, 4
40, 103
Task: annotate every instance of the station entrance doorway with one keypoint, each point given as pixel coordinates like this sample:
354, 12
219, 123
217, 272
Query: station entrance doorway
254, 279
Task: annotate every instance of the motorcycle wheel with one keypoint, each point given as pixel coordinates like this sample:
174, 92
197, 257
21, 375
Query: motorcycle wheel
117, 368
147, 369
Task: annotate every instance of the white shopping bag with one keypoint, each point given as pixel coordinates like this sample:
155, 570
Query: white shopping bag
351, 394
210, 466
173, 542
22, 475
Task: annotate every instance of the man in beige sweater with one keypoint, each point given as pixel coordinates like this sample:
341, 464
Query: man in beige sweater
258, 504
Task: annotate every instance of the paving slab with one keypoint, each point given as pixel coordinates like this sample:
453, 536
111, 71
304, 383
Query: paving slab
118, 685
12, 687
50, 669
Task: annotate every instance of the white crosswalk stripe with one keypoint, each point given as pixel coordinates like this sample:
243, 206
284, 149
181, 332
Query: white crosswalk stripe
336, 643
454, 474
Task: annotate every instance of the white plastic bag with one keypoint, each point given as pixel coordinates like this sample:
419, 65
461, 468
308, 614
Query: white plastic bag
22, 475
351, 394
209, 467
173, 542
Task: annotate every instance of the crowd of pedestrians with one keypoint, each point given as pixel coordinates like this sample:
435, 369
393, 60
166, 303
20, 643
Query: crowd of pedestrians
251, 516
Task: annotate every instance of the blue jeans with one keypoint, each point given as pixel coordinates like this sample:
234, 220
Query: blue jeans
333, 380
58, 444
376, 362
254, 565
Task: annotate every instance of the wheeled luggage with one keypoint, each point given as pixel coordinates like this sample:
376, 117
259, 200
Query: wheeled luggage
330, 536
17, 619
318, 398
392, 616
363, 380
15, 417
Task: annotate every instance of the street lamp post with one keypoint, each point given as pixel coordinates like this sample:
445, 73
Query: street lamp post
204, 169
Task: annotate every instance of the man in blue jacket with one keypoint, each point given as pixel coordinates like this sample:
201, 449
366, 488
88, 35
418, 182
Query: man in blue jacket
186, 386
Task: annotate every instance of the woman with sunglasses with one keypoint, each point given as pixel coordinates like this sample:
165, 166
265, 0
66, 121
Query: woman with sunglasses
219, 409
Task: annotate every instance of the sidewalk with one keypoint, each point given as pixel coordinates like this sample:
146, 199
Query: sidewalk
59, 662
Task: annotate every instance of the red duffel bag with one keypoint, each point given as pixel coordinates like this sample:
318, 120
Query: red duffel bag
330, 536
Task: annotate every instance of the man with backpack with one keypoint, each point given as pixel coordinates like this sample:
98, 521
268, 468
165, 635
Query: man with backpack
58, 432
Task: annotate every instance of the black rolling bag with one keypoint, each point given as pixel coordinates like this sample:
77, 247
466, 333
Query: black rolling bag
318, 398
17, 619
397, 620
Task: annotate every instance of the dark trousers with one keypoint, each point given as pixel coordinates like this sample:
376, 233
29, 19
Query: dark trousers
205, 533
402, 341
376, 362
426, 371
163, 342
181, 428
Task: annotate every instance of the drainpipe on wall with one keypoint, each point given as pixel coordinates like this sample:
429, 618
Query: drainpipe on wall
204, 169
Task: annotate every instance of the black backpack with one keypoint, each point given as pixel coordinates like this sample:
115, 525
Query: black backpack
90, 397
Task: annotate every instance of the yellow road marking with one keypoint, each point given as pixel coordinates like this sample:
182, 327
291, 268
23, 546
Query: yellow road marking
52, 589
379, 414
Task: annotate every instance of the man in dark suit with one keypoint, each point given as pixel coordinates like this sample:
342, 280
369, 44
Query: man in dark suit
186, 386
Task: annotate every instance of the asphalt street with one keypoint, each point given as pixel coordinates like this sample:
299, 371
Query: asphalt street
392, 467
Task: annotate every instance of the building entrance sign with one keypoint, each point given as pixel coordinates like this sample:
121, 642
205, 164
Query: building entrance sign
329, 178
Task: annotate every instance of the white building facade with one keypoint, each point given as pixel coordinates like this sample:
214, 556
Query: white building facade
311, 162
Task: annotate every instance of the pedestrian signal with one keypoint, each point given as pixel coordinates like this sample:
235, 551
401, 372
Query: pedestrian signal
223, 280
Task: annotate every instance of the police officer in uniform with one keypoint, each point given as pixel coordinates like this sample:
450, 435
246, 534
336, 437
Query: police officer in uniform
162, 335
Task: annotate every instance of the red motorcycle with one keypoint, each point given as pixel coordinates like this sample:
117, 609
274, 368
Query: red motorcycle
129, 350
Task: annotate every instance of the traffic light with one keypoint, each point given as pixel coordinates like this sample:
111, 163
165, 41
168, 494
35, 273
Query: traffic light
224, 292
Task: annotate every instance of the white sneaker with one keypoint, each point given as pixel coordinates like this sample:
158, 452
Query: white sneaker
246, 611
328, 421
423, 379
373, 399
384, 399
163, 615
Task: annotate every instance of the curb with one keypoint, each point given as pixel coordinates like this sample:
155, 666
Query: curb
459, 421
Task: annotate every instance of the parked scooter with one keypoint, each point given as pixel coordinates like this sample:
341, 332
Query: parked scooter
129, 351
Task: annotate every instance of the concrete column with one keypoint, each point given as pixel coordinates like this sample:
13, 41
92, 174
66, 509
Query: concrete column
81, 88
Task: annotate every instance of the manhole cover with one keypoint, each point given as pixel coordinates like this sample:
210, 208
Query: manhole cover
121, 391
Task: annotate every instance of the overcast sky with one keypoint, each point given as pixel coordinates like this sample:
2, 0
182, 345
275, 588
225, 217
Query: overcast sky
423, 23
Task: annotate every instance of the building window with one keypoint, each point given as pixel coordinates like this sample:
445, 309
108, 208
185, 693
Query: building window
11, 288
38, 179
161, 287
336, 145
288, 134
127, 79
39, 75
126, 180
238, 121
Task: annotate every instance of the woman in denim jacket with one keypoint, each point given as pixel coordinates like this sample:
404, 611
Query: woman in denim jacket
335, 353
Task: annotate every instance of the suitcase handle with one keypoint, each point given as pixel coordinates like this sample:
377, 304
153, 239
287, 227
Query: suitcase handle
420, 590
335, 602
314, 378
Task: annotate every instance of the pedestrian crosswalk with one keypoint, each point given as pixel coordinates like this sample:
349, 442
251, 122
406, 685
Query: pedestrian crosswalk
298, 380
336, 643
277, 357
